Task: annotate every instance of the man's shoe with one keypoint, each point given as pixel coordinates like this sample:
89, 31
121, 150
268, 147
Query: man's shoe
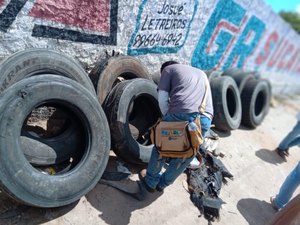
273, 204
281, 153
287, 152
159, 189
142, 175
142, 194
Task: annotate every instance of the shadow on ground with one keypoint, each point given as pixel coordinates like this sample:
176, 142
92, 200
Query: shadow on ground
261, 209
222, 133
12, 212
115, 206
269, 156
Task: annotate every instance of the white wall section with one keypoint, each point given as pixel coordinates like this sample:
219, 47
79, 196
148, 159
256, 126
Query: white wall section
208, 34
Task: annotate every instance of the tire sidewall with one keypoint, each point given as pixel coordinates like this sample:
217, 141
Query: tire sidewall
222, 118
32, 62
24, 182
127, 147
261, 88
106, 73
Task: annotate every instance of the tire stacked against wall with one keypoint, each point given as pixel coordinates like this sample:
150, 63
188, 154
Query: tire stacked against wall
58, 124
239, 97
226, 101
129, 98
55, 139
255, 94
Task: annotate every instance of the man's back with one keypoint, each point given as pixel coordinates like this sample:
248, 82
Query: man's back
186, 87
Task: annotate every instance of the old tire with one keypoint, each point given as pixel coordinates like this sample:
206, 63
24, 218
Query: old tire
268, 101
106, 72
18, 177
132, 108
227, 103
232, 71
32, 62
241, 79
212, 74
37, 61
54, 150
255, 99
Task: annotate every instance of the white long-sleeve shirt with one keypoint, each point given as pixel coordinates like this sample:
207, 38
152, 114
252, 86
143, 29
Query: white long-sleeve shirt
163, 101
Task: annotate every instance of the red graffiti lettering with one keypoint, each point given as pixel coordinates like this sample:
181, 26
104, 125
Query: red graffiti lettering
281, 53
222, 24
296, 67
291, 63
276, 54
230, 27
249, 38
288, 52
271, 41
91, 15
234, 61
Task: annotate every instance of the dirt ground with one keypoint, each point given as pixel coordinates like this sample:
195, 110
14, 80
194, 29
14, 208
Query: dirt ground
258, 173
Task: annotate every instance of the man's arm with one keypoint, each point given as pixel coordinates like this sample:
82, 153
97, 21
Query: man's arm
163, 101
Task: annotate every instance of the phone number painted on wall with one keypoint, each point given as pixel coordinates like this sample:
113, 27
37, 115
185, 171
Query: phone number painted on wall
162, 27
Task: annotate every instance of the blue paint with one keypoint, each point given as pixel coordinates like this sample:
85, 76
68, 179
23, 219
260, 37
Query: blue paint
243, 50
226, 10
156, 48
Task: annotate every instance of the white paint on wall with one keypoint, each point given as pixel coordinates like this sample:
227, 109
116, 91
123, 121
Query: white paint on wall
133, 14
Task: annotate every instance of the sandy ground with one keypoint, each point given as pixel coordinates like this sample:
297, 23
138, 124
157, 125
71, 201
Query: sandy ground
249, 156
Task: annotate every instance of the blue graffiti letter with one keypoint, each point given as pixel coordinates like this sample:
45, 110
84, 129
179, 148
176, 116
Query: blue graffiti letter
228, 15
242, 49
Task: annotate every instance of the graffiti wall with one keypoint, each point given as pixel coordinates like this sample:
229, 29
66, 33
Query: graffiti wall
208, 34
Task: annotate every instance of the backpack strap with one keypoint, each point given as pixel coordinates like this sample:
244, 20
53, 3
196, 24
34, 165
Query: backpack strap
203, 102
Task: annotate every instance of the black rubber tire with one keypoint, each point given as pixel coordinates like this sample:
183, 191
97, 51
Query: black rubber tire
268, 83
241, 79
238, 72
227, 103
105, 73
48, 151
122, 118
255, 99
213, 75
268, 102
20, 179
232, 71
37, 61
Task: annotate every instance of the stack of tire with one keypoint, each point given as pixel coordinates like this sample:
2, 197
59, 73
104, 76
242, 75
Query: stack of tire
129, 98
111, 108
226, 101
239, 98
37, 167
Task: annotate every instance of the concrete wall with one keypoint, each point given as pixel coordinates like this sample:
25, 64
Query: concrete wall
208, 34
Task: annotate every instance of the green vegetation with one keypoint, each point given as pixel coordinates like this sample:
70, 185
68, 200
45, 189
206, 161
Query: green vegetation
293, 18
